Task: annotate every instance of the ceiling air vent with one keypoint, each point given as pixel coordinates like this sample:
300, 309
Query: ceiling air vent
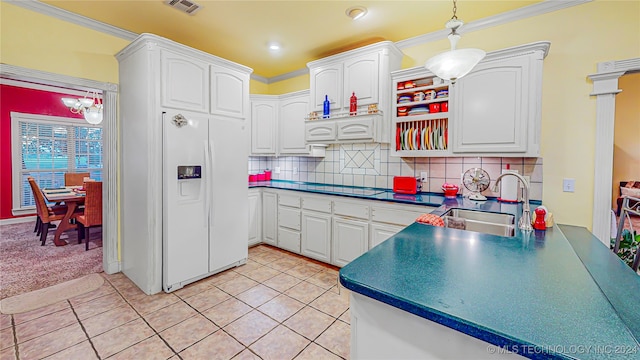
185, 6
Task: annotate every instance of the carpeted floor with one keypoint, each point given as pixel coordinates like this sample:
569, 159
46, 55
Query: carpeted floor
26, 266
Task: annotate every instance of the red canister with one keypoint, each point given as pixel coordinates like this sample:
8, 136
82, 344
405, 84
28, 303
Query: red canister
434, 107
444, 106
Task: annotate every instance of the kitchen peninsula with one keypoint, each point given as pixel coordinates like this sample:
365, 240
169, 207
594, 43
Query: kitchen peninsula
431, 292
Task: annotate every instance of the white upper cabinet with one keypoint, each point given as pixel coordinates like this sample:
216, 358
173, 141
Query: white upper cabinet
365, 71
185, 82
264, 122
495, 110
362, 77
293, 109
278, 125
326, 81
492, 107
228, 89
497, 107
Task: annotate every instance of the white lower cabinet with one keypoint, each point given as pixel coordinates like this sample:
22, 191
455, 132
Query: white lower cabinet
316, 235
381, 232
331, 229
289, 240
269, 218
350, 239
255, 217
289, 221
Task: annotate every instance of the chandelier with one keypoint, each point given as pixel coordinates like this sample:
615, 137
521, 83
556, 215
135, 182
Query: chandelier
454, 64
90, 106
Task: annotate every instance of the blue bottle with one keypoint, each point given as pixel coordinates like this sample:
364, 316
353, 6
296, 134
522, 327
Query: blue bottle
327, 105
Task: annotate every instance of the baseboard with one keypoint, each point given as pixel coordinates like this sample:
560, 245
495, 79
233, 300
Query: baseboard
18, 220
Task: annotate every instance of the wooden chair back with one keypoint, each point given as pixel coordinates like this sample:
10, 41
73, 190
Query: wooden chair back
75, 179
93, 203
41, 206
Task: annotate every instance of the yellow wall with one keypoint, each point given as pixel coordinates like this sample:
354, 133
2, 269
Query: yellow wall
626, 146
580, 36
35, 41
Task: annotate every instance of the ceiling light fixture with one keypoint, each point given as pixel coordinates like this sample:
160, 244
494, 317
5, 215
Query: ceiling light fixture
274, 46
356, 12
90, 107
454, 64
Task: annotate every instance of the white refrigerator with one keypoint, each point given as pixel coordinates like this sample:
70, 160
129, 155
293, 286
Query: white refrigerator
205, 224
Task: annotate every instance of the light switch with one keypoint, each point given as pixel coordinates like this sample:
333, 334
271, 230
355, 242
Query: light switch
568, 185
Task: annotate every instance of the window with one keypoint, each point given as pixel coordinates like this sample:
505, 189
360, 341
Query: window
45, 147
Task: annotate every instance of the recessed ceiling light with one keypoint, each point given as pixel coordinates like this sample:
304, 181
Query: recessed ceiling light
356, 12
274, 46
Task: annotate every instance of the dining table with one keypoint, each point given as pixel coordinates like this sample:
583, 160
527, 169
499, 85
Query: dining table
72, 197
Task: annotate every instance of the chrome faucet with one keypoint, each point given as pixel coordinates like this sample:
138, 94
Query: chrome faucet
525, 219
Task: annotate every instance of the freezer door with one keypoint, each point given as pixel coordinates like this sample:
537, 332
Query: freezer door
185, 207
230, 211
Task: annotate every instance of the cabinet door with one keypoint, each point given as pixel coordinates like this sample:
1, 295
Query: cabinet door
264, 115
316, 236
326, 80
492, 108
350, 239
289, 218
381, 232
229, 92
269, 218
361, 129
292, 131
320, 130
185, 82
289, 240
255, 223
362, 76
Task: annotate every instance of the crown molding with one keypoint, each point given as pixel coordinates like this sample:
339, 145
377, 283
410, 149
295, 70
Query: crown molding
544, 7
46, 78
74, 18
495, 20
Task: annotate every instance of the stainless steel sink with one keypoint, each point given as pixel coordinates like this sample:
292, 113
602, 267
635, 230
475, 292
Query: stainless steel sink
480, 221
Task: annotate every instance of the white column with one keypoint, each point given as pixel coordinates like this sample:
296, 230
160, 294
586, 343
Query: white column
110, 183
605, 88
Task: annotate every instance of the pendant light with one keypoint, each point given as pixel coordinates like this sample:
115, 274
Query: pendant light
454, 64
90, 107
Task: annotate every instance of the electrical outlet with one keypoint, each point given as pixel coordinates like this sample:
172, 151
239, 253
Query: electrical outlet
568, 185
295, 170
424, 175
277, 170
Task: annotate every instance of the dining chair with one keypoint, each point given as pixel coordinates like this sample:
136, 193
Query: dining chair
75, 179
92, 215
45, 213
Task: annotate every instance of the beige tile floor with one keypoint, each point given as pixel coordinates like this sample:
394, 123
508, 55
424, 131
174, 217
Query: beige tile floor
277, 306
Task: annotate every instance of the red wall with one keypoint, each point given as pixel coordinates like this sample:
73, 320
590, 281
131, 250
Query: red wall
29, 101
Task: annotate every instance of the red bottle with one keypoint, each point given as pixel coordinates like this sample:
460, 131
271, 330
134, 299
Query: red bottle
539, 223
353, 105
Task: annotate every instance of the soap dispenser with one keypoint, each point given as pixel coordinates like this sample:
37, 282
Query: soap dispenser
326, 107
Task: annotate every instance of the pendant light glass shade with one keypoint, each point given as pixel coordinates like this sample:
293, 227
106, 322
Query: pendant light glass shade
90, 107
93, 115
454, 64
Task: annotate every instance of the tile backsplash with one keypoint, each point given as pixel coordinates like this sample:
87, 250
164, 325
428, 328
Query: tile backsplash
370, 165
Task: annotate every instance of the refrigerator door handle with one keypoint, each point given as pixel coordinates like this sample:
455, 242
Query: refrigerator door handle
207, 205
212, 149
